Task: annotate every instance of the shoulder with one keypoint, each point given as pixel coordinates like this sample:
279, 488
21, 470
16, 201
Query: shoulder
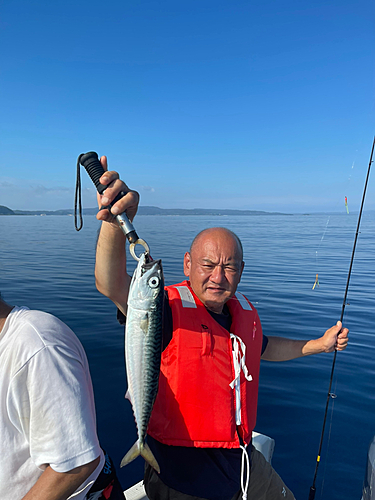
41, 326
29, 332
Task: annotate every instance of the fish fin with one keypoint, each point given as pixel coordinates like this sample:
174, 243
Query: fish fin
145, 452
128, 396
132, 454
144, 323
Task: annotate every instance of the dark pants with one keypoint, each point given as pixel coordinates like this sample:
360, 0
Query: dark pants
265, 484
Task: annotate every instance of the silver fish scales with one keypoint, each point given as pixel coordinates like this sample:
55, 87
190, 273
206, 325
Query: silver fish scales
143, 338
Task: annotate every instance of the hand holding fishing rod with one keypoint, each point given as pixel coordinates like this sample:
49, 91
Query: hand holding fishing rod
329, 394
335, 338
118, 200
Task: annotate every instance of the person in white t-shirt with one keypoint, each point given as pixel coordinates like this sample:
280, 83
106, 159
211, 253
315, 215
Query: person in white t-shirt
49, 447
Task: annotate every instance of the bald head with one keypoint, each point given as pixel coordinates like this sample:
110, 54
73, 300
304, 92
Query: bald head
217, 232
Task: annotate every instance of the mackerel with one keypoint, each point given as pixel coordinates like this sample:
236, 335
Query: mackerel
143, 338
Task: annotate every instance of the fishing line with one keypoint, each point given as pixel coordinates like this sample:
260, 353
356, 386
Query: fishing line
313, 488
316, 283
316, 254
290, 276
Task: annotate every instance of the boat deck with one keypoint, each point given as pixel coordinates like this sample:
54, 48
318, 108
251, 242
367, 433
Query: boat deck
136, 492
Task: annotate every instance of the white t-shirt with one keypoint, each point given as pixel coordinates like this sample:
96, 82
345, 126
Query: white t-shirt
47, 411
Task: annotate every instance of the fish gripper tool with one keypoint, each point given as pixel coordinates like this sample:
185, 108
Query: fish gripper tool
90, 161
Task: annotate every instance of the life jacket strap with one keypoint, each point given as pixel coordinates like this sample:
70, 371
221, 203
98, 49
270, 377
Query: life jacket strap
239, 357
245, 484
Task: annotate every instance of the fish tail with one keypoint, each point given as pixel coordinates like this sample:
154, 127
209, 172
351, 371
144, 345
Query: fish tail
147, 454
144, 451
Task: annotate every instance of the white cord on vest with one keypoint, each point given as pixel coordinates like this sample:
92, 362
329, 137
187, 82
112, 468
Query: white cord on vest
239, 364
245, 456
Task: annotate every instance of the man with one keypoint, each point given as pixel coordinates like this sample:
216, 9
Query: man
205, 409
49, 446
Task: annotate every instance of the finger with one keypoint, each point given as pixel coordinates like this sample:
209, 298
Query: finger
115, 187
104, 162
343, 334
335, 329
105, 215
108, 177
342, 343
341, 347
130, 200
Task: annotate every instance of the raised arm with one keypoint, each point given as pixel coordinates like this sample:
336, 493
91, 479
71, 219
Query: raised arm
283, 349
111, 277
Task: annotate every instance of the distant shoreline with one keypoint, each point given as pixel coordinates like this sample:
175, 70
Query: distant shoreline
150, 210
144, 210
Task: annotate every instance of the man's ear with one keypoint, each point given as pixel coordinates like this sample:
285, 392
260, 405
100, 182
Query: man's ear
242, 266
187, 264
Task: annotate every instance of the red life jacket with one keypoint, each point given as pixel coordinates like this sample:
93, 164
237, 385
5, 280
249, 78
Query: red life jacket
196, 401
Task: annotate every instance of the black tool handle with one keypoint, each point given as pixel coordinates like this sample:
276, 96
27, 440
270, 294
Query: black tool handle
95, 170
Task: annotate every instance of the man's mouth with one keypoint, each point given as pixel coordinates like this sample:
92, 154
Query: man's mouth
216, 289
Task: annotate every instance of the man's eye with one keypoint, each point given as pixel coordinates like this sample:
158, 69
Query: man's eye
231, 269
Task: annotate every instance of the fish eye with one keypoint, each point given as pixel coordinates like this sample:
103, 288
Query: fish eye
153, 282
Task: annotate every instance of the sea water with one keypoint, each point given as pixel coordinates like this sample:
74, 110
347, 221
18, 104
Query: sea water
45, 264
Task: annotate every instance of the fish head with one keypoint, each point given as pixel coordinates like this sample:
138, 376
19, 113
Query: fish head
147, 283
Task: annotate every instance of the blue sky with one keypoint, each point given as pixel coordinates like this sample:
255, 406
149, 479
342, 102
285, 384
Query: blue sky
202, 104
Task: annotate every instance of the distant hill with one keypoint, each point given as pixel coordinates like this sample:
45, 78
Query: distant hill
144, 210
5, 211
48, 212
198, 211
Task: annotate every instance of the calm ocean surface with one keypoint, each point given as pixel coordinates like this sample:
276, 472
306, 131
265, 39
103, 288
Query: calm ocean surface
45, 264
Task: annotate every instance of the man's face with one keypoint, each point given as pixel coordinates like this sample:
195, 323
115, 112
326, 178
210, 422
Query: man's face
214, 268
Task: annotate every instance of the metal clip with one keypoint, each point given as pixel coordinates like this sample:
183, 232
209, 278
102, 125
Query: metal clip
138, 242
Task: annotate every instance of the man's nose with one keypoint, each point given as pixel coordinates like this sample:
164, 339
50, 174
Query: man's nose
218, 274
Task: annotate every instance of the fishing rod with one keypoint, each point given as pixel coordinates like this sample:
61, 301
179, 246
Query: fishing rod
329, 395
90, 161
